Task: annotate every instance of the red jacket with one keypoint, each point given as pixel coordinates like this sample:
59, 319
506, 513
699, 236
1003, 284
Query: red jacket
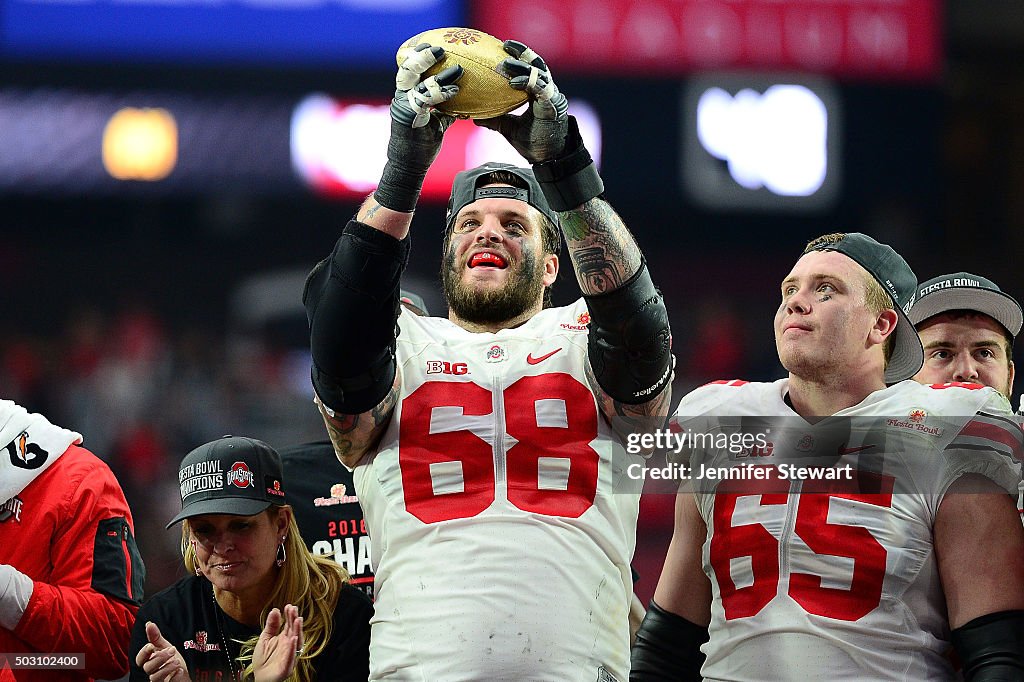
71, 531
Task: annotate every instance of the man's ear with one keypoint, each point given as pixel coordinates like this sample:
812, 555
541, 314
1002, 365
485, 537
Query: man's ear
885, 325
550, 269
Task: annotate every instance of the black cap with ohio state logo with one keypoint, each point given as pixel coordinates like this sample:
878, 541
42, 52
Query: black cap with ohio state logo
231, 475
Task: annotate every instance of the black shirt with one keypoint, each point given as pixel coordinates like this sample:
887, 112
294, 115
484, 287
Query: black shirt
189, 618
323, 496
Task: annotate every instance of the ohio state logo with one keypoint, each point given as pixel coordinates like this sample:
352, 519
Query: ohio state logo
805, 444
495, 354
11, 509
240, 476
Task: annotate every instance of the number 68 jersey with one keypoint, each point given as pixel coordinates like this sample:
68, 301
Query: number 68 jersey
836, 578
499, 548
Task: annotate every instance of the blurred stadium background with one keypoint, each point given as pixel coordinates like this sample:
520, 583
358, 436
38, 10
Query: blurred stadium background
170, 169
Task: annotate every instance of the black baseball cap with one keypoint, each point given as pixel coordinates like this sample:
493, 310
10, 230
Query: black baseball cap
899, 281
231, 475
465, 190
967, 291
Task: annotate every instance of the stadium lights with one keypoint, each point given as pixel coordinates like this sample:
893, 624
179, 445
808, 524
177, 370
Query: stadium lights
140, 144
339, 147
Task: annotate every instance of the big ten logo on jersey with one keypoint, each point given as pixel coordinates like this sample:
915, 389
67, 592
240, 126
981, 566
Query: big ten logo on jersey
349, 545
444, 367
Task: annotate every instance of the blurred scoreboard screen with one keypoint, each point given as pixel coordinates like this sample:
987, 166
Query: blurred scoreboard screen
761, 142
339, 33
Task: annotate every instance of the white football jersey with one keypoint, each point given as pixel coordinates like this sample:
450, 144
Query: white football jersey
1020, 486
837, 579
499, 547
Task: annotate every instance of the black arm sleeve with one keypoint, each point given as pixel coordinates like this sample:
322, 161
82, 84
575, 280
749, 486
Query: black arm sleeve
667, 648
992, 647
630, 343
352, 303
572, 180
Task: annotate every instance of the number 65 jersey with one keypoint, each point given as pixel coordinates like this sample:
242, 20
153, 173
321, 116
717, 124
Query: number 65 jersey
499, 547
837, 578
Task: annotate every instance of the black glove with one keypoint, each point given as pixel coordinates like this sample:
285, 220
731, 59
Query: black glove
992, 647
667, 648
539, 133
417, 127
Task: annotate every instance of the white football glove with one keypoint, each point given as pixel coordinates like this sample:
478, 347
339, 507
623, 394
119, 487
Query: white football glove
417, 127
414, 99
540, 133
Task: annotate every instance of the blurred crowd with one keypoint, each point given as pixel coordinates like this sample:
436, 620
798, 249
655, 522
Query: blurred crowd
144, 392
143, 395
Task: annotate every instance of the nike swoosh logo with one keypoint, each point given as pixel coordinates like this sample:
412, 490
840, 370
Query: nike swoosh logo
530, 360
850, 451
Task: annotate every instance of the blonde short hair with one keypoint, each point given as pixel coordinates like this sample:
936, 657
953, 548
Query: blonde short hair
875, 297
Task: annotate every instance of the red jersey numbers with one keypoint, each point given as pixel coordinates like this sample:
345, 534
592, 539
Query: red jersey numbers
551, 438
856, 545
745, 540
459, 459
449, 473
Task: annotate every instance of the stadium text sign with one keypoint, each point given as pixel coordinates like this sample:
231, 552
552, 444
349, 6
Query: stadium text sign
873, 39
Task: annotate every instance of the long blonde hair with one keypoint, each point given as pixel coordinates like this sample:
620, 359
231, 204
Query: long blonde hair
310, 582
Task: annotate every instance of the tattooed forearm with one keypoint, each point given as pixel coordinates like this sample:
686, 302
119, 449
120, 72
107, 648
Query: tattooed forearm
650, 415
340, 429
574, 227
353, 435
383, 218
602, 249
382, 413
595, 271
625, 418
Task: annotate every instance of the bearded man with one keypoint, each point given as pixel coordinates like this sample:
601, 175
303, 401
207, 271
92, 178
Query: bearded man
482, 443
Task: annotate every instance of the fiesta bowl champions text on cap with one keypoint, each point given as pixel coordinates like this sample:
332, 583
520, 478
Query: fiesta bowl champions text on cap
231, 475
967, 291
